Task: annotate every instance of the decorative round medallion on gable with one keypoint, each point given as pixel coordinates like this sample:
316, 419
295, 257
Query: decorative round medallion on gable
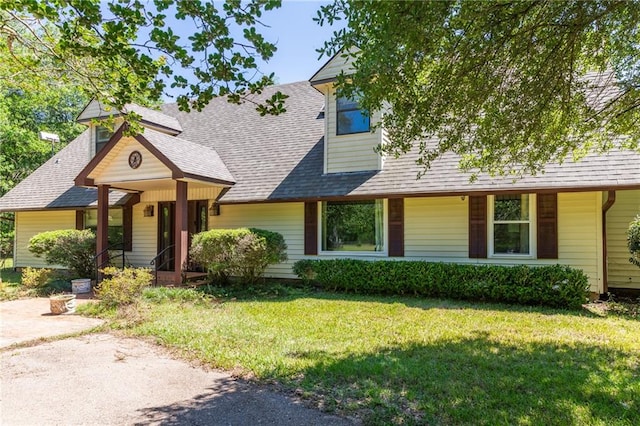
135, 159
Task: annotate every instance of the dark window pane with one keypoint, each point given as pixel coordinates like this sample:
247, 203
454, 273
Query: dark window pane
511, 207
352, 226
511, 238
346, 104
350, 117
103, 134
352, 122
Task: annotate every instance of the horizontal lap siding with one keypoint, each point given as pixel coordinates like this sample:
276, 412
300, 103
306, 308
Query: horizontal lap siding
145, 237
145, 229
622, 273
29, 224
580, 234
285, 218
115, 166
204, 193
436, 228
350, 153
334, 67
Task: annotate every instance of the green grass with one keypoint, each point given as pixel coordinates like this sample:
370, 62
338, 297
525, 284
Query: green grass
403, 360
9, 280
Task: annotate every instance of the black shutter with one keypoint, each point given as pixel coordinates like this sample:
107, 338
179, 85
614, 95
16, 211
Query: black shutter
311, 228
477, 227
396, 227
547, 226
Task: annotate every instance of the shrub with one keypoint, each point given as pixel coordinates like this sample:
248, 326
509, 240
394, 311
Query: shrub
633, 241
35, 277
71, 248
243, 253
123, 286
557, 285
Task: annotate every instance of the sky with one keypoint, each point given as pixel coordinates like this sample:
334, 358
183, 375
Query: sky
296, 35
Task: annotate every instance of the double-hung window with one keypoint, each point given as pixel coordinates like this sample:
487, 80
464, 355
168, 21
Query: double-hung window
115, 228
511, 227
350, 117
103, 134
353, 226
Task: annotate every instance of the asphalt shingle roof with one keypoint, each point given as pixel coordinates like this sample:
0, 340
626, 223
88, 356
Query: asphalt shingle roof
190, 157
280, 158
51, 186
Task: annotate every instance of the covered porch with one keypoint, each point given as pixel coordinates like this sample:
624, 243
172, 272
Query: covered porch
178, 184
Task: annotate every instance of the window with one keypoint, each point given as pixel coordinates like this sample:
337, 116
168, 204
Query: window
350, 118
511, 227
353, 226
115, 228
103, 134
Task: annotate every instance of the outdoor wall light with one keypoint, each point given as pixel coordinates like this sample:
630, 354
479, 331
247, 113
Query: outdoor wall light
214, 210
148, 211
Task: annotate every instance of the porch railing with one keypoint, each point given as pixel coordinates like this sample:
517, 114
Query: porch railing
113, 252
155, 262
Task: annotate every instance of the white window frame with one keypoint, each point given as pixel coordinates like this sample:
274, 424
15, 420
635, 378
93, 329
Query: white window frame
338, 253
532, 230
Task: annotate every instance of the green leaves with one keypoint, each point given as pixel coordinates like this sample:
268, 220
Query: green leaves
556, 285
122, 51
508, 86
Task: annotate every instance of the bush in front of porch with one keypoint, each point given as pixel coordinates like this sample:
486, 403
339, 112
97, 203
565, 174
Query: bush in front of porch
244, 253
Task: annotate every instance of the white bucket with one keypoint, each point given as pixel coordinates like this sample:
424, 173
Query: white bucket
82, 285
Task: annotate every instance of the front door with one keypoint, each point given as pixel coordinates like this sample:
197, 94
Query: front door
197, 216
166, 235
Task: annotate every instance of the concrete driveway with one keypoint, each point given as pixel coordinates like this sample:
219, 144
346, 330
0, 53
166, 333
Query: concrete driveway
102, 379
30, 319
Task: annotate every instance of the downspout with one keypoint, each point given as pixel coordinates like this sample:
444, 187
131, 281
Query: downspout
611, 198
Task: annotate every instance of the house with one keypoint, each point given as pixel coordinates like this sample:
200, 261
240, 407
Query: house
312, 175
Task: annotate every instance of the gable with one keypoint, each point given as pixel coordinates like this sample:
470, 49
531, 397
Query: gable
334, 66
115, 167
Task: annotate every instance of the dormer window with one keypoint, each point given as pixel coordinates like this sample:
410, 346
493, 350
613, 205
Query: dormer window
350, 117
103, 134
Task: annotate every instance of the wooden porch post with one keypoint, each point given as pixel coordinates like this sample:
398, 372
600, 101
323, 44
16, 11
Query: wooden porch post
102, 242
181, 231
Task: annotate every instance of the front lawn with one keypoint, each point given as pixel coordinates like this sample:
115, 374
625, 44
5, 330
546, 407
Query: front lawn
405, 360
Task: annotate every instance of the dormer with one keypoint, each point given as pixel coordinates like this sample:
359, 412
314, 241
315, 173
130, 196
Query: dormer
349, 143
104, 121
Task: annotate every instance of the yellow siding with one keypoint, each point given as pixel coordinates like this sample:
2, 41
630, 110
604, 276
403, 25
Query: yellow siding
436, 228
144, 238
145, 229
115, 166
285, 218
203, 193
333, 68
29, 224
622, 273
349, 153
580, 234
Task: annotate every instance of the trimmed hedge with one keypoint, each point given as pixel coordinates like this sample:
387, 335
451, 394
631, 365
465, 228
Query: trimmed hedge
556, 285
